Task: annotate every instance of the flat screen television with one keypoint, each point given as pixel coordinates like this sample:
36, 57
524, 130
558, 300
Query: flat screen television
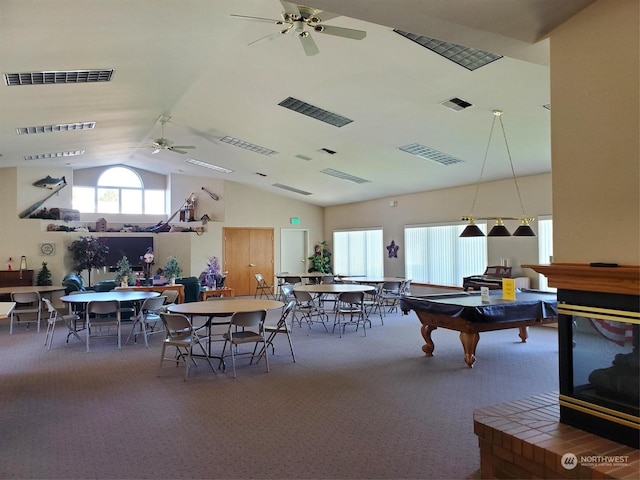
130, 246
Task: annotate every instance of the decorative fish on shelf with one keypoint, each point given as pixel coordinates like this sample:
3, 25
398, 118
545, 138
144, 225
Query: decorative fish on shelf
50, 182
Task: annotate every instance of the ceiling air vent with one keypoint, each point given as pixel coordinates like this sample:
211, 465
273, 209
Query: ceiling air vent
456, 104
314, 112
430, 154
469, 58
62, 127
43, 156
329, 151
343, 176
52, 77
303, 157
248, 146
291, 189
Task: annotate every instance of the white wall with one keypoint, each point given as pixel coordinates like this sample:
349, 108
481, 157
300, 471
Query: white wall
494, 199
239, 206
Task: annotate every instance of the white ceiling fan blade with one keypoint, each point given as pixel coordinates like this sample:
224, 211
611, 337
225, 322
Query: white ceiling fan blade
155, 151
266, 38
309, 45
258, 19
341, 32
290, 8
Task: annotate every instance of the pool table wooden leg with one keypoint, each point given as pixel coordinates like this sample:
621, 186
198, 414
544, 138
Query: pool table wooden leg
428, 347
524, 333
469, 343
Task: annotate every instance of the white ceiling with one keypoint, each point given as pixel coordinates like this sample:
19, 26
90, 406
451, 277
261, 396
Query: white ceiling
191, 59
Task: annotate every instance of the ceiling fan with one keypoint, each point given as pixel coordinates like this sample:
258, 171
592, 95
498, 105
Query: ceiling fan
302, 21
166, 144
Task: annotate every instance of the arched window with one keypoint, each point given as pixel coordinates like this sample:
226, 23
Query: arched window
118, 190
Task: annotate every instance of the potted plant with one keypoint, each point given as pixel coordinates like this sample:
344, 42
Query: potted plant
213, 276
321, 259
124, 273
88, 253
172, 270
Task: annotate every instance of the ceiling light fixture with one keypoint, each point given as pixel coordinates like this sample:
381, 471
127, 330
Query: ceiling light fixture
499, 229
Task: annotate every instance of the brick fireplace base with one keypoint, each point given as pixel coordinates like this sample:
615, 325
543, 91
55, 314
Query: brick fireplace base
525, 439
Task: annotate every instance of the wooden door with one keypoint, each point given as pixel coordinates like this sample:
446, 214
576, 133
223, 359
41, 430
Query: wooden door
247, 251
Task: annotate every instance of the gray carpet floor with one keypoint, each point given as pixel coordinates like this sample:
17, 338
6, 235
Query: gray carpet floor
355, 407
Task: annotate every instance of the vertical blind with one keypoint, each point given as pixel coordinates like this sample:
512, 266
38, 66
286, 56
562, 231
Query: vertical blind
436, 254
358, 252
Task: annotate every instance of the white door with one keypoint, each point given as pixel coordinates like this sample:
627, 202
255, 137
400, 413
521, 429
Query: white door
294, 250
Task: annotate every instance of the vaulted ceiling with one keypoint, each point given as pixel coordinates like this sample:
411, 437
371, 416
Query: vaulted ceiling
190, 62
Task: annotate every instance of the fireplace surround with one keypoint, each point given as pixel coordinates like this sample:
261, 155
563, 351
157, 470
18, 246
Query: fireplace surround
598, 345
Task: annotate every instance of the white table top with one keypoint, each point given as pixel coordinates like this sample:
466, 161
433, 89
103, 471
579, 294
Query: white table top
5, 308
372, 279
303, 275
334, 288
131, 296
224, 307
32, 288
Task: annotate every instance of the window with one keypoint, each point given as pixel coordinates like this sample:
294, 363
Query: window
119, 190
435, 254
545, 248
358, 252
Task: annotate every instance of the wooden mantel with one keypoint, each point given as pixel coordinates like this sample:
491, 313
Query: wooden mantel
624, 279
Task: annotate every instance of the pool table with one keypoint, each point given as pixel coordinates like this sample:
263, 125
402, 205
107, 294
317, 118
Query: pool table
469, 315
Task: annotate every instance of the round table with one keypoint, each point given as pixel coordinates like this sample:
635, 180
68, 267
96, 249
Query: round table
32, 288
224, 307
221, 308
133, 296
334, 288
372, 279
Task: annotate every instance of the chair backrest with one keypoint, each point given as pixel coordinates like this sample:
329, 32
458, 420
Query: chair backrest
31, 298
49, 305
293, 280
352, 298
176, 324
406, 288
285, 313
286, 290
327, 279
248, 319
260, 278
391, 287
153, 304
302, 296
170, 296
106, 307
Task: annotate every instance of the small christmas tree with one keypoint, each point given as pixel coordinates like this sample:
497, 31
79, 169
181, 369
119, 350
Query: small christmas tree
44, 276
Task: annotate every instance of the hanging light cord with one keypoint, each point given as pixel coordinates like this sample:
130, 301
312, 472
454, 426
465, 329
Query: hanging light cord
513, 172
484, 162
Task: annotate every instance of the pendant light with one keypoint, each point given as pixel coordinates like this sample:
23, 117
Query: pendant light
499, 229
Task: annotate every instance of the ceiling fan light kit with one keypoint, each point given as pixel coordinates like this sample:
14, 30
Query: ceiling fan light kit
499, 229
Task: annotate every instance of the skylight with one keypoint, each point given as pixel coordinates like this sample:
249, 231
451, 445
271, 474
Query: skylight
291, 189
248, 146
469, 58
430, 154
51, 77
343, 176
208, 165
314, 112
43, 156
61, 127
